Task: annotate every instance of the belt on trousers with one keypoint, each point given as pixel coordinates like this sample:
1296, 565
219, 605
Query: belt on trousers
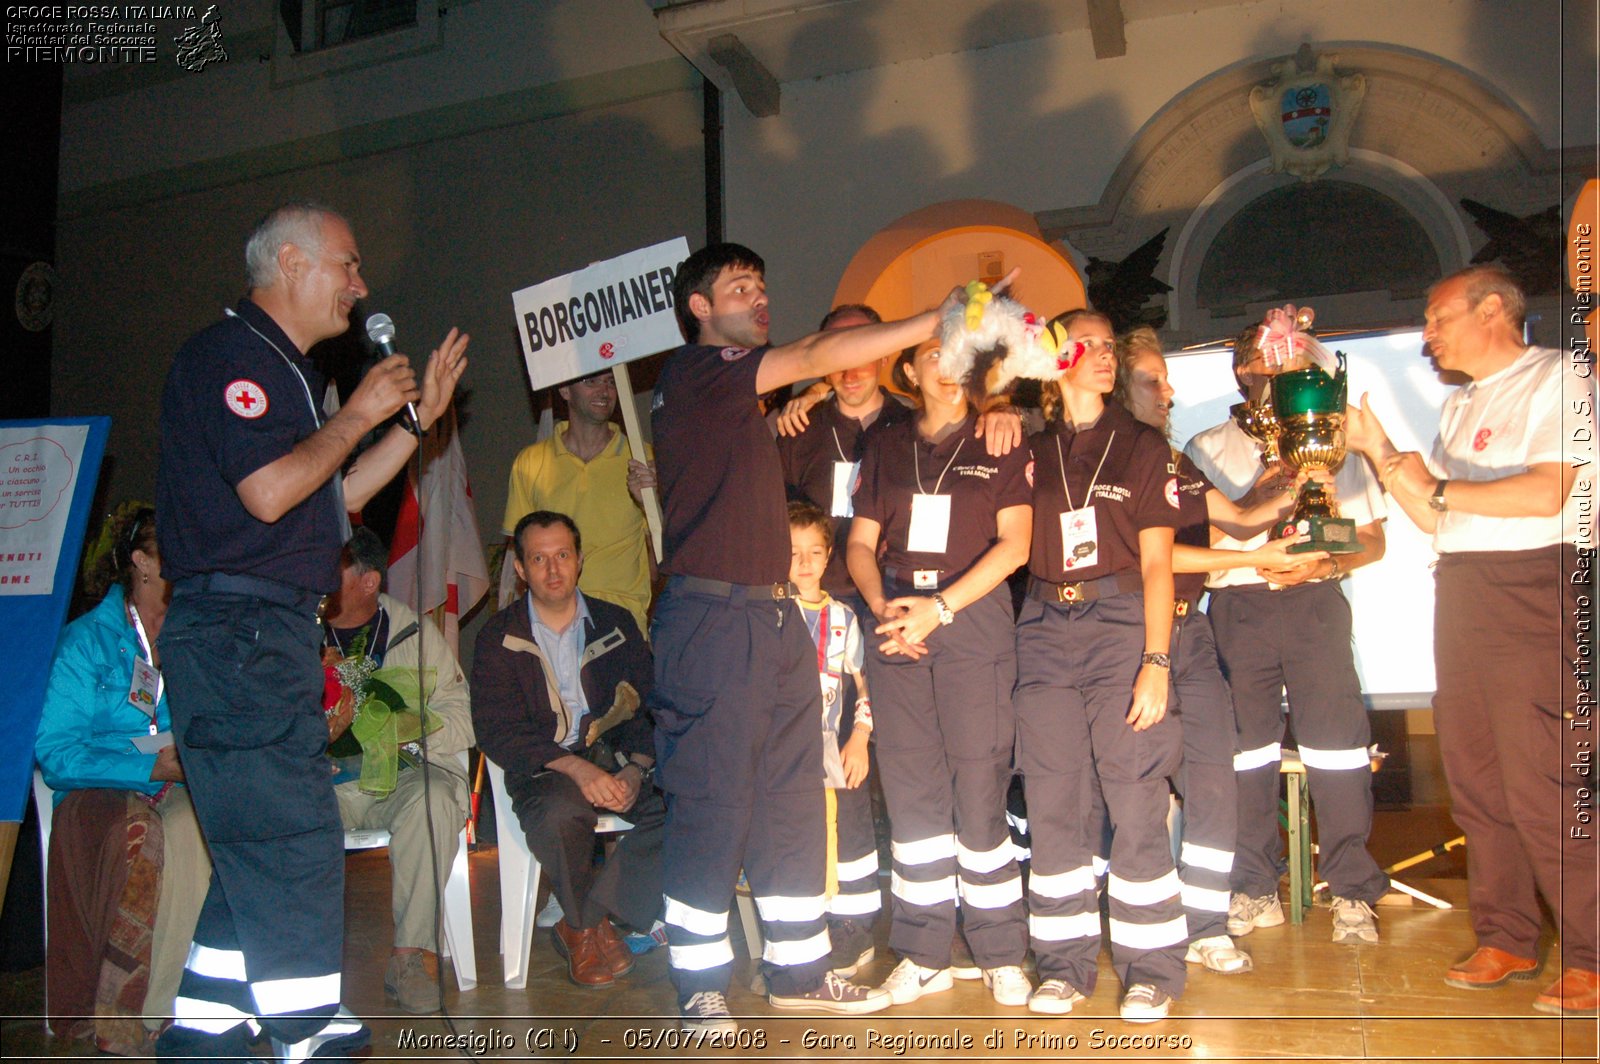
255, 586
699, 585
920, 579
1084, 590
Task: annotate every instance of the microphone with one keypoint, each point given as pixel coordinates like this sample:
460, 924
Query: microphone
380, 330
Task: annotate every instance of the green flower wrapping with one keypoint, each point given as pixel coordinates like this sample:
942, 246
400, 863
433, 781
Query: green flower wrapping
387, 725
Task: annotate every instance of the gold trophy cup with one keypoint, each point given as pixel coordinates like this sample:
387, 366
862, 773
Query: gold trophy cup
1308, 413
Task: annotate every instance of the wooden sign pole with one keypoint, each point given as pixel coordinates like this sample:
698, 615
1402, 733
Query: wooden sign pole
630, 421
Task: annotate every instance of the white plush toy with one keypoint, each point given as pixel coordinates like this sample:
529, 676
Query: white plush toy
990, 341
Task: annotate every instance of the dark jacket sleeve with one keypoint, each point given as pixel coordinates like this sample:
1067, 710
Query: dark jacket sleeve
510, 707
633, 662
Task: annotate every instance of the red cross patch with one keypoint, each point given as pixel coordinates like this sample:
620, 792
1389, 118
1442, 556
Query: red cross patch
1171, 492
245, 398
1481, 440
1028, 472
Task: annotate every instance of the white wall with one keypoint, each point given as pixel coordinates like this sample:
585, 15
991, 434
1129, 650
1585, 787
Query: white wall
1042, 124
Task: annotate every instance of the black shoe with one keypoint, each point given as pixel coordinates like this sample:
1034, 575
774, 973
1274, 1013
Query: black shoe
853, 948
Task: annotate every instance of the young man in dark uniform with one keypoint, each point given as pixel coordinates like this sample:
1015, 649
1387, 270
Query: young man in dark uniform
736, 698
822, 462
252, 514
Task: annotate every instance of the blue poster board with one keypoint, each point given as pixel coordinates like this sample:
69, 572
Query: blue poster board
30, 622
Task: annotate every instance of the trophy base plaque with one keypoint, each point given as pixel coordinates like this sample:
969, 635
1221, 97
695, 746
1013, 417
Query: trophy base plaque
1336, 535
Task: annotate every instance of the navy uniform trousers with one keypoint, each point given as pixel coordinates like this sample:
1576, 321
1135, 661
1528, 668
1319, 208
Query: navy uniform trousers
739, 753
1298, 638
1076, 668
1207, 782
245, 689
858, 896
945, 731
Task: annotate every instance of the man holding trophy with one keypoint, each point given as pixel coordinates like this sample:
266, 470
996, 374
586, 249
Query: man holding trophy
1291, 628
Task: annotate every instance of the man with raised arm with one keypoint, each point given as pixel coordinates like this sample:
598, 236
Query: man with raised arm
736, 700
252, 497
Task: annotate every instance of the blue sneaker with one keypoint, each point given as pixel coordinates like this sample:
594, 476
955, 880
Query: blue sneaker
640, 942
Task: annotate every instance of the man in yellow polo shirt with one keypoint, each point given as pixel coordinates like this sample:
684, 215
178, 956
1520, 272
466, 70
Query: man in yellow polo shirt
583, 469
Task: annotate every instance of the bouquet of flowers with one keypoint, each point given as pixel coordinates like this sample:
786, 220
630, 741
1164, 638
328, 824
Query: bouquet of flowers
387, 725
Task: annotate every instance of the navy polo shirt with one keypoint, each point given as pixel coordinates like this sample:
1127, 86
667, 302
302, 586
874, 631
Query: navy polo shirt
832, 436
1195, 531
899, 463
232, 404
723, 503
1137, 488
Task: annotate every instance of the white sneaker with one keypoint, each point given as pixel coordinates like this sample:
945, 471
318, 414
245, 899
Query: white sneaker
1354, 921
1008, 984
1143, 1003
1055, 997
910, 981
551, 914
1245, 913
1219, 954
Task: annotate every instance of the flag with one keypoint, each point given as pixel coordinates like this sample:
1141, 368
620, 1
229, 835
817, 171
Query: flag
445, 526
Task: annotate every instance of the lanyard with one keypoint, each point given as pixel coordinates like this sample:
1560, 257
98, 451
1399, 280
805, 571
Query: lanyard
342, 515
1088, 496
377, 641
149, 656
819, 630
316, 415
916, 466
836, 444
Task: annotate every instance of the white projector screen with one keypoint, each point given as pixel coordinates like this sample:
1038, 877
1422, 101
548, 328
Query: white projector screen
1393, 600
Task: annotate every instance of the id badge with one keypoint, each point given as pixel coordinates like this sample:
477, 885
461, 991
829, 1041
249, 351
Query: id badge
1080, 546
844, 486
930, 524
146, 687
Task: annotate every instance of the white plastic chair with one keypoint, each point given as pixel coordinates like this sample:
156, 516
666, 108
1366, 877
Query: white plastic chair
458, 945
519, 878
44, 803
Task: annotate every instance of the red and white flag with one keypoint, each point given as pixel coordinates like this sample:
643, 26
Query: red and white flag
454, 573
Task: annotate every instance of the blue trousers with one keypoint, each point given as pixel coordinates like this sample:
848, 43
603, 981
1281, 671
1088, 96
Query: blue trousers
738, 714
245, 686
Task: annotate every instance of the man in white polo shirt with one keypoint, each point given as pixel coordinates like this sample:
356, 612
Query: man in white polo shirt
1289, 629
1516, 547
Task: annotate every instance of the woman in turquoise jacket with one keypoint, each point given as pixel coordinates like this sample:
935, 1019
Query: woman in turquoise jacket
127, 867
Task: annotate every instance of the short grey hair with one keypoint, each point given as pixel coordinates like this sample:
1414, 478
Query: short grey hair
1487, 279
299, 224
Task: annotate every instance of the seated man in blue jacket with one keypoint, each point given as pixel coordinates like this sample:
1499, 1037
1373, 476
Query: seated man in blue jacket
546, 670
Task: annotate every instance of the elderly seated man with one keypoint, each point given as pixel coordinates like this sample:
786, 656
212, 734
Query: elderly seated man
558, 680
361, 621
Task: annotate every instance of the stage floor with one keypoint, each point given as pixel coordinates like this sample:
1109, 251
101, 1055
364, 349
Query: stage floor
1307, 999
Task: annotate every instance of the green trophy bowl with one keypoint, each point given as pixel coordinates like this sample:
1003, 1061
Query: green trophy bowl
1308, 405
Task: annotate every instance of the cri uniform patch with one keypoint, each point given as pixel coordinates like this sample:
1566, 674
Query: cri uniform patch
246, 398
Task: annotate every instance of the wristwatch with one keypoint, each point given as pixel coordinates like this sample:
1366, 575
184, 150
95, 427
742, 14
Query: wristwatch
1156, 658
1436, 500
946, 614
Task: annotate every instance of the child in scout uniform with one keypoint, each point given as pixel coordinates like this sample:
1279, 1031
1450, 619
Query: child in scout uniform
853, 896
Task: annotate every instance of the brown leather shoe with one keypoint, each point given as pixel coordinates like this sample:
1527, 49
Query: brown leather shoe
1576, 993
616, 951
1488, 967
586, 961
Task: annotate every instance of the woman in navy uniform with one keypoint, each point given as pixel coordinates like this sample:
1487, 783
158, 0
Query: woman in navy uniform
1200, 697
953, 524
1093, 677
